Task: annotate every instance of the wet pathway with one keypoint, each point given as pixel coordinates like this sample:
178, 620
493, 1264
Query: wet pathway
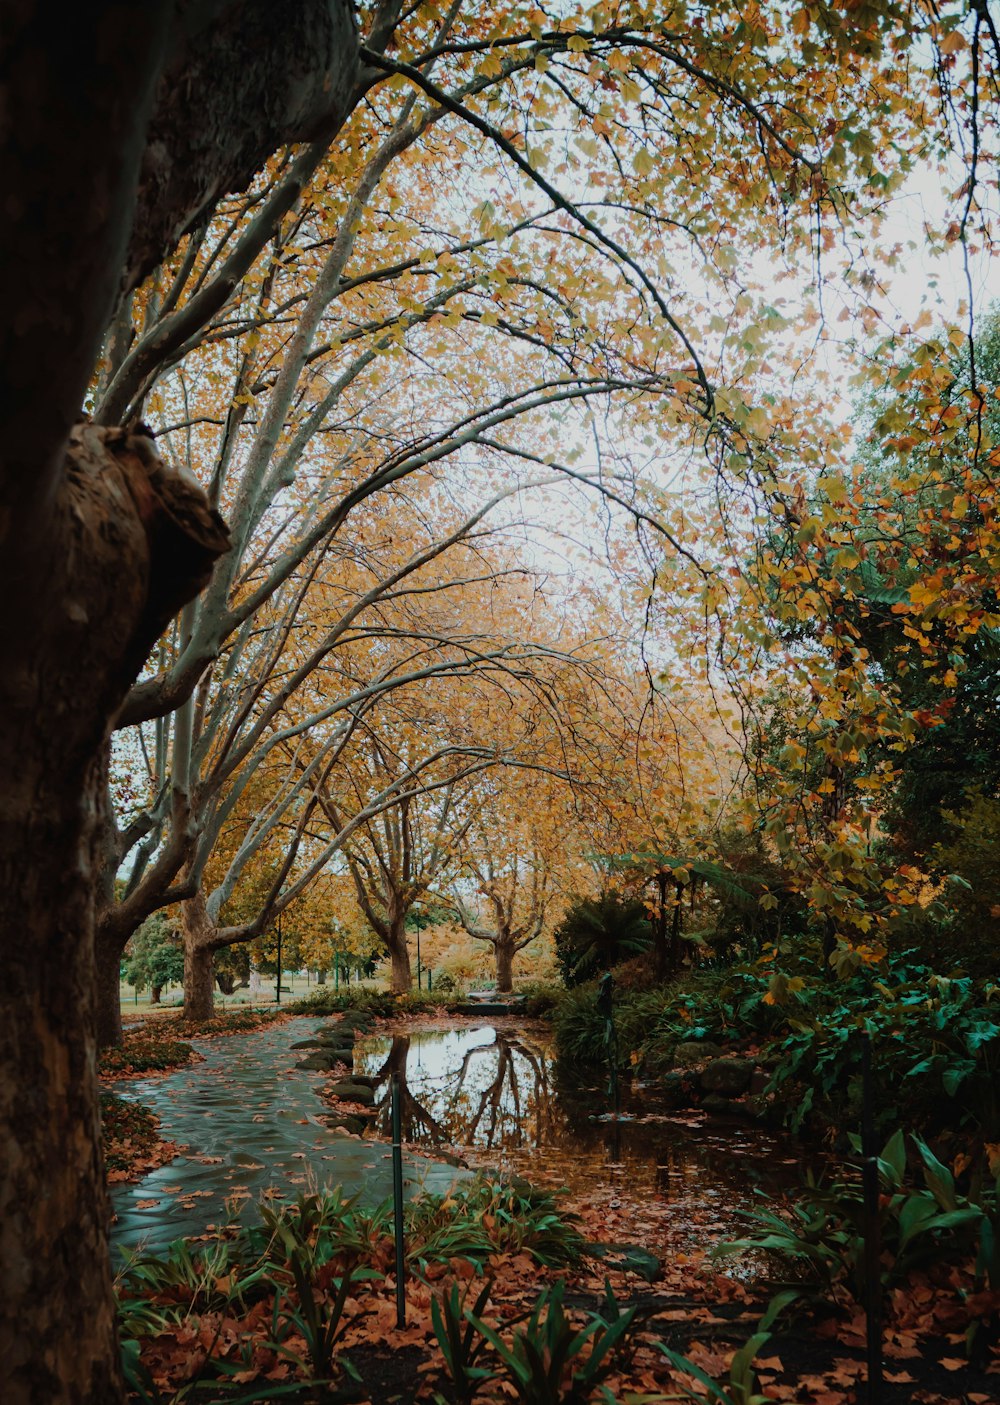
254, 1127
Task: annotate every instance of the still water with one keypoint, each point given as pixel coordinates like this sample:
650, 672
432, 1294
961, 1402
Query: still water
496, 1097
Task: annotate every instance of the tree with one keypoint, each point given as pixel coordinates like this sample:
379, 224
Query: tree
518, 855
106, 167
380, 614
154, 957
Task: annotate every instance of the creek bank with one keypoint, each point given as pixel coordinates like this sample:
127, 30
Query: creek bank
721, 1084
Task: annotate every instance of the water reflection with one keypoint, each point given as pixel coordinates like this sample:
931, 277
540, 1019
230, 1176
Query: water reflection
497, 1097
482, 1087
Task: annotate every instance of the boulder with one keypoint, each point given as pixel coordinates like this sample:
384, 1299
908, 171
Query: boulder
351, 1092
729, 1075
320, 1060
350, 1122
676, 1089
720, 1106
356, 1019
695, 1051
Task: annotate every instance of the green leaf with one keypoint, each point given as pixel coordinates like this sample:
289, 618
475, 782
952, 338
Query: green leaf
939, 1179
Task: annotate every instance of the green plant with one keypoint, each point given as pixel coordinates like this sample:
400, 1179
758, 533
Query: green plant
197, 1278
321, 1295
598, 933
490, 1217
462, 1346
826, 1227
551, 1362
931, 1034
328, 1223
739, 1389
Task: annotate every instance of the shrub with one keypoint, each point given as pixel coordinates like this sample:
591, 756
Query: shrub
598, 933
143, 1051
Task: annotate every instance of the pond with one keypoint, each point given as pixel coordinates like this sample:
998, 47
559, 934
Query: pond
496, 1096
491, 1094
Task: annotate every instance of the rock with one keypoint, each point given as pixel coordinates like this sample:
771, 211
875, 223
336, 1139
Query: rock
730, 1075
350, 1122
351, 1092
759, 1080
719, 1106
676, 1089
356, 1019
695, 1051
324, 1061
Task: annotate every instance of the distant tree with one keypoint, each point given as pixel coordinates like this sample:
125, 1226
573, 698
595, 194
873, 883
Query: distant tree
155, 957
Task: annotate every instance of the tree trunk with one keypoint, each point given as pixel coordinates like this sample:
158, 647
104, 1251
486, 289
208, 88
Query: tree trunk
116, 561
505, 965
675, 930
57, 1319
199, 931
399, 956
321, 978
154, 994
109, 1004
660, 933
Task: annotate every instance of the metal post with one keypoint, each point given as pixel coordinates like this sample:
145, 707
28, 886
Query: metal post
605, 1005
277, 989
397, 1199
873, 1265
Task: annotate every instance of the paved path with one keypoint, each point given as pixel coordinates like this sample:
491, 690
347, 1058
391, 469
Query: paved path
253, 1126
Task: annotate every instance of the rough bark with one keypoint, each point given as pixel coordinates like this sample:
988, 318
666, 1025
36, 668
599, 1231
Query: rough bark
505, 950
109, 1006
127, 544
265, 75
154, 994
199, 933
101, 169
399, 959
124, 124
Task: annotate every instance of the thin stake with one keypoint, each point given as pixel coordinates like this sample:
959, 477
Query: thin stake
873, 1250
397, 1199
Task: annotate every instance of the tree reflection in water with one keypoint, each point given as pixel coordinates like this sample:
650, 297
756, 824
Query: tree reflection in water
483, 1087
499, 1098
